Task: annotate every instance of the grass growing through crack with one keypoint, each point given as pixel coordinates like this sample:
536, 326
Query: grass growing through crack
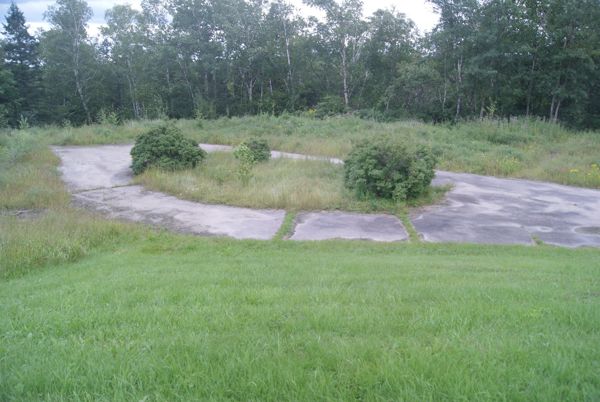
181, 318
279, 183
286, 227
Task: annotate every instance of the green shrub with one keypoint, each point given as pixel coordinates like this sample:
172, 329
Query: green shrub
246, 160
259, 149
330, 106
165, 147
389, 169
24, 123
108, 117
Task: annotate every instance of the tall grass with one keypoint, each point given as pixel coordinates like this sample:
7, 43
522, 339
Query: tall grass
525, 148
57, 236
55, 233
294, 185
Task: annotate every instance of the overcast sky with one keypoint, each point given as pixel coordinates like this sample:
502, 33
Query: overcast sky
419, 11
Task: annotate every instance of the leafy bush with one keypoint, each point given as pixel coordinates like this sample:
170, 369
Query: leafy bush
259, 149
330, 106
165, 147
247, 160
108, 117
23, 123
205, 110
389, 169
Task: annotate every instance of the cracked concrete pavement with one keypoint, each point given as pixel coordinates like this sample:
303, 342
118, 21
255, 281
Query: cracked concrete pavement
478, 209
482, 209
326, 225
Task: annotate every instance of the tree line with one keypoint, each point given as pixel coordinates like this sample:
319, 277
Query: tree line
211, 58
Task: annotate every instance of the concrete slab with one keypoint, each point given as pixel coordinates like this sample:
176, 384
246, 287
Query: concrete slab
87, 168
104, 166
482, 209
136, 204
478, 209
289, 155
347, 225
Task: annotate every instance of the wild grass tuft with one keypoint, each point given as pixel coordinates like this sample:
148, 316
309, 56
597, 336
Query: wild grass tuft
279, 183
57, 236
55, 233
524, 148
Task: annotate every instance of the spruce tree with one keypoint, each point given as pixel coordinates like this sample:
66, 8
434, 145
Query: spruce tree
21, 59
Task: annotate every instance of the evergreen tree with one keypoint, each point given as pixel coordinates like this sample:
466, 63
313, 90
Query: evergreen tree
21, 59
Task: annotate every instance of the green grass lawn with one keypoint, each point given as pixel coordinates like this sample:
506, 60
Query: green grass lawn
92, 309
294, 185
180, 318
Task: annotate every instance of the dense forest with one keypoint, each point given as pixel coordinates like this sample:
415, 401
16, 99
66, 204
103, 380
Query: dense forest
211, 58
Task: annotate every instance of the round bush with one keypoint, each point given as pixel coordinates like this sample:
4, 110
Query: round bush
165, 147
259, 149
389, 169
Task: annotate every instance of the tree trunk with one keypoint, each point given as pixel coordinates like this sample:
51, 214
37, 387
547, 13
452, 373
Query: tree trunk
482, 109
289, 60
77, 76
556, 110
132, 89
345, 77
530, 87
206, 84
187, 81
458, 87
170, 89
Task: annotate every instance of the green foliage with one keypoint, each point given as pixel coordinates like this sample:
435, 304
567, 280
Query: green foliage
246, 162
165, 147
3, 116
283, 183
493, 59
330, 106
108, 117
259, 148
248, 154
205, 110
20, 56
388, 168
23, 123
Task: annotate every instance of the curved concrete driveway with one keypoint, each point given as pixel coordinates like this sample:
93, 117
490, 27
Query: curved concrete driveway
478, 209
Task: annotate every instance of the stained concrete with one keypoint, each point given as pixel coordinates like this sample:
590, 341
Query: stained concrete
100, 178
482, 209
87, 168
136, 204
104, 166
478, 209
347, 225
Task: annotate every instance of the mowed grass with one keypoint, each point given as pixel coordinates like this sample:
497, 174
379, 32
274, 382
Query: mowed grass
102, 310
179, 318
294, 185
